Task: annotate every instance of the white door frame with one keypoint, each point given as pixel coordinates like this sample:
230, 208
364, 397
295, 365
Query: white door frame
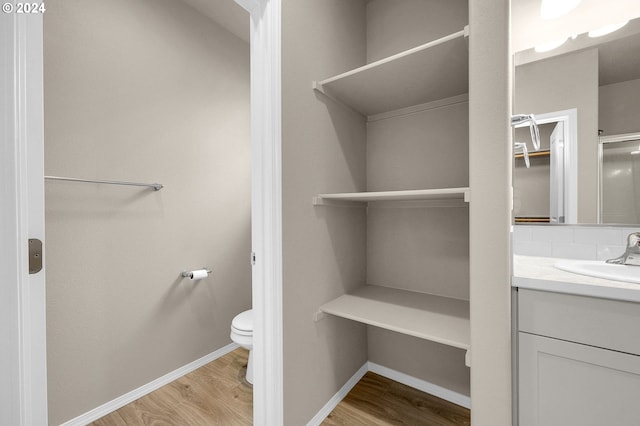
266, 209
23, 380
557, 190
569, 117
23, 376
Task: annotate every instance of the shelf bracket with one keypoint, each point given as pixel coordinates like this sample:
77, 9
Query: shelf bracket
318, 87
467, 358
467, 196
319, 316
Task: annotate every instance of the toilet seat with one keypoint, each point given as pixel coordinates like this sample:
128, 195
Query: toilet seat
241, 332
243, 323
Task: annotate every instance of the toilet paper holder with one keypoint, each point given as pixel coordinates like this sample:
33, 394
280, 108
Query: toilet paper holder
191, 274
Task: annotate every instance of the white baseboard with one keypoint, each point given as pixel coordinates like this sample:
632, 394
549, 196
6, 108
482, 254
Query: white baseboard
129, 397
422, 385
389, 373
339, 396
405, 379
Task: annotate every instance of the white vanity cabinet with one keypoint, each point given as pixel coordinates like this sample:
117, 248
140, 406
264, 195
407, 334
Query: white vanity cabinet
578, 360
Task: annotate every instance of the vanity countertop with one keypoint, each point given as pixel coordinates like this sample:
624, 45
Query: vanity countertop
538, 273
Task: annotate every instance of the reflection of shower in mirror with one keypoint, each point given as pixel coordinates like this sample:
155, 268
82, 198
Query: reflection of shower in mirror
619, 178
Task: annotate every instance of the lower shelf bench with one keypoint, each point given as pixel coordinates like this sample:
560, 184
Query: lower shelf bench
440, 319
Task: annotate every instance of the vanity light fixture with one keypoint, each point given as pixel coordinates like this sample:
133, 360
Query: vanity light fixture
552, 9
608, 29
545, 47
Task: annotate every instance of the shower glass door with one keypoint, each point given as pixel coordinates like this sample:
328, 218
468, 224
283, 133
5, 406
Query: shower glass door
620, 179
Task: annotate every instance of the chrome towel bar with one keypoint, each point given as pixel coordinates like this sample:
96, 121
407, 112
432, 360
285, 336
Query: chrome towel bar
154, 186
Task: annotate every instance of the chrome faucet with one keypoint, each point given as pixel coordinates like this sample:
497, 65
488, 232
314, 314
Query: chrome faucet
632, 255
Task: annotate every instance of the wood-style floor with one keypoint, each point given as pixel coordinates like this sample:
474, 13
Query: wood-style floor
377, 401
217, 394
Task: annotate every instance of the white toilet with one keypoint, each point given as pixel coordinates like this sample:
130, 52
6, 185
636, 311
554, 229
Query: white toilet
242, 334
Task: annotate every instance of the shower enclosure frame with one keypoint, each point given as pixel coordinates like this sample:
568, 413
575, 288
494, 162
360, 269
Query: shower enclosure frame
603, 140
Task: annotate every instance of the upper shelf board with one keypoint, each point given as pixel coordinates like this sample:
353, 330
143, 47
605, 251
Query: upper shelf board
405, 195
436, 318
435, 70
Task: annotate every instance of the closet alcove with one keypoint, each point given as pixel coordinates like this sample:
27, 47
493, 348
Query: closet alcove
408, 205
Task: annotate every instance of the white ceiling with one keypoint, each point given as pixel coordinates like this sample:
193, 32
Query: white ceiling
528, 29
226, 13
618, 53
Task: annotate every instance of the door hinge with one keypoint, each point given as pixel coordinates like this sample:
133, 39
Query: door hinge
35, 255
253, 258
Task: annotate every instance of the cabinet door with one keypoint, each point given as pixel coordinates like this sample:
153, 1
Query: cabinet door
563, 383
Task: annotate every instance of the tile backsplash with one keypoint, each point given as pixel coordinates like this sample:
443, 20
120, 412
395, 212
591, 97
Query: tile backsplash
571, 242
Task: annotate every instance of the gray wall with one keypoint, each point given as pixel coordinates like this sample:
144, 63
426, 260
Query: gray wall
323, 150
394, 26
144, 90
620, 108
418, 248
565, 82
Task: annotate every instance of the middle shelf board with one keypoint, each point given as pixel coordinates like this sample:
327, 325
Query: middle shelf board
426, 316
430, 72
404, 195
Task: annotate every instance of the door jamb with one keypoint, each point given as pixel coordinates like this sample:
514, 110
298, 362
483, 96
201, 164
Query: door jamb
23, 397
266, 209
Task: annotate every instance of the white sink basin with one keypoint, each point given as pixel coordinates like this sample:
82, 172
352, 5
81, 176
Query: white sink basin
600, 269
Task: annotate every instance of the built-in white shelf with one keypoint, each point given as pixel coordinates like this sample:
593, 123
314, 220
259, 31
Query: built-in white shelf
436, 318
435, 70
404, 195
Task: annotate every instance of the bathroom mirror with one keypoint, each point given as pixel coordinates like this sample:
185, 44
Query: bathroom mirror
584, 90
